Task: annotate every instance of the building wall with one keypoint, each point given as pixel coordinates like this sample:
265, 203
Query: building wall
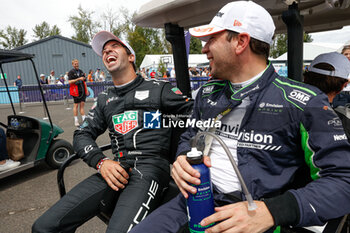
53, 53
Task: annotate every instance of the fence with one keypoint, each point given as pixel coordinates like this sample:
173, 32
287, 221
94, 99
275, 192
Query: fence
31, 93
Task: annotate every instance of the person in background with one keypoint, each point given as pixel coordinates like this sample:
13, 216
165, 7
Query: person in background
51, 79
61, 80
18, 82
281, 133
152, 74
102, 76
159, 74
343, 98
66, 78
90, 78
346, 51
143, 73
78, 90
97, 75
5, 162
43, 81
330, 73
172, 73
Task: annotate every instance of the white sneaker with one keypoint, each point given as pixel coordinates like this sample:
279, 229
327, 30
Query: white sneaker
9, 164
76, 123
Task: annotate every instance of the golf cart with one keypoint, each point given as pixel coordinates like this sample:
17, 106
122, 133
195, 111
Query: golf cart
39, 136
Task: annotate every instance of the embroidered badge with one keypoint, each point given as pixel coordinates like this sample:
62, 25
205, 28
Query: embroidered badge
176, 91
125, 122
141, 95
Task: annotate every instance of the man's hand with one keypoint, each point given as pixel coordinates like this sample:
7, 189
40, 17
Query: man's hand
115, 176
236, 218
183, 173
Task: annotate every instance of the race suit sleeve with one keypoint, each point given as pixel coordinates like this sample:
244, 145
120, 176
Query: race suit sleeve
327, 153
84, 137
173, 101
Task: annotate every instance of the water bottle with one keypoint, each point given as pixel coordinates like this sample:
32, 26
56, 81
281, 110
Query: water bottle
201, 204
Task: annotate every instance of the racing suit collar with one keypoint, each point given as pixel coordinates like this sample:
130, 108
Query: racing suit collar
254, 87
129, 87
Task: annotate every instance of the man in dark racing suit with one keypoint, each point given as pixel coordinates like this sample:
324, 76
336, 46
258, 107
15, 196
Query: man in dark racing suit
275, 128
131, 110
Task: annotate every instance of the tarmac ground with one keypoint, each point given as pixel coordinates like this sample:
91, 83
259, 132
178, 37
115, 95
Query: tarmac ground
27, 195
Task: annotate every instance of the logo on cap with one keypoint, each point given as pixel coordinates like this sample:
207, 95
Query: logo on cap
207, 29
219, 14
237, 23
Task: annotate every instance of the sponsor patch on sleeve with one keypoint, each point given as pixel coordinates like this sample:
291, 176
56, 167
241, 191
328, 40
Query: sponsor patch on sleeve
176, 91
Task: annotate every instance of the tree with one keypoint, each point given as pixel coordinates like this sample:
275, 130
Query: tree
43, 30
12, 37
280, 45
145, 41
55, 31
161, 66
195, 46
142, 40
83, 25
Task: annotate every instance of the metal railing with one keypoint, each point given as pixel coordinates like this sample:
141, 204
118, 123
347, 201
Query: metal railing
31, 93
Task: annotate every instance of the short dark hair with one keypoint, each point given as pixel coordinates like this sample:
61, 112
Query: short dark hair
346, 47
258, 47
325, 83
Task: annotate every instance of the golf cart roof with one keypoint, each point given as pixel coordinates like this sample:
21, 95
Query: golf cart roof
319, 15
7, 56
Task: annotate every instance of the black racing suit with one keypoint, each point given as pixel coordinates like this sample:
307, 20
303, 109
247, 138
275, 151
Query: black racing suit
131, 114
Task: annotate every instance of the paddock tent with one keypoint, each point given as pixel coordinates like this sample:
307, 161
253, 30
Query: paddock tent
152, 60
52, 53
312, 50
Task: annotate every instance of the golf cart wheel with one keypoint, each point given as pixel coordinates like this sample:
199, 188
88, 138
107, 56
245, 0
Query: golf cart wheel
58, 152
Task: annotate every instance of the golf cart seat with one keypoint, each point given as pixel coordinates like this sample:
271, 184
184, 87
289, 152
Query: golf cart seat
28, 129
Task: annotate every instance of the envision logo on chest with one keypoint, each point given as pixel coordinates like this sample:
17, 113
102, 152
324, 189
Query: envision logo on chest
299, 96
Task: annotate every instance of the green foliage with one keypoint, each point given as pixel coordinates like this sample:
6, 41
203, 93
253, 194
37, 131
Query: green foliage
84, 26
12, 37
162, 66
280, 45
195, 46
142, 40
55, 31
307, 37
43, 30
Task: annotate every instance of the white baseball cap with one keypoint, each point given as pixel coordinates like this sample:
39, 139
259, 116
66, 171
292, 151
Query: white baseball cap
340, 63
102, 37
240, 16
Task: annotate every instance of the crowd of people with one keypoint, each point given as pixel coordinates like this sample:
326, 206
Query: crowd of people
170, 73
98, 76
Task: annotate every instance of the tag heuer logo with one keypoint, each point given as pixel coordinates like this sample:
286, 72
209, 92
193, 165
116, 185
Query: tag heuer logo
125, 122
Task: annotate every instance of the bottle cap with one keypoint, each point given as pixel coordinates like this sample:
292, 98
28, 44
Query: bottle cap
194, 153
